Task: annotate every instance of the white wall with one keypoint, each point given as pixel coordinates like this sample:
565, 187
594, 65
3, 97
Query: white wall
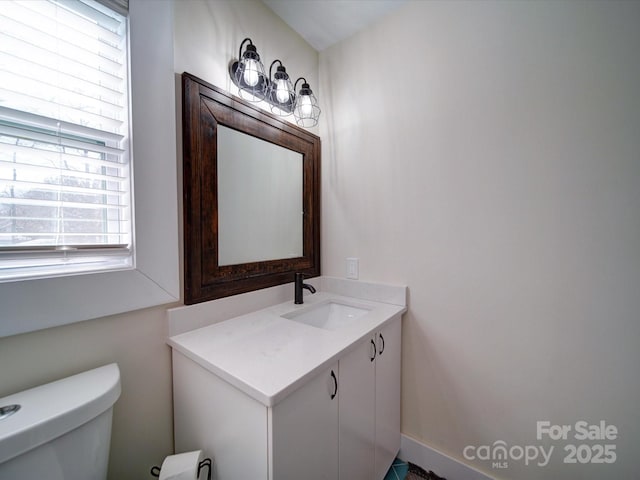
487, 154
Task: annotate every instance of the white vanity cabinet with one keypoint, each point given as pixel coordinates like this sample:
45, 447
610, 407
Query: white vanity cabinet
369, 405
268, 398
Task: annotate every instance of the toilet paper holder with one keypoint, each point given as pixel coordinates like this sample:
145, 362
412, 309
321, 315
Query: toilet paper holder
155, 470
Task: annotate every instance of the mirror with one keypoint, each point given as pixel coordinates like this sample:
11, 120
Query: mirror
251, 187
259, 199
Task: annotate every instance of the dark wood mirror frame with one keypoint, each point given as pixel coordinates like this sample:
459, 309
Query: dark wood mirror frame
204, 107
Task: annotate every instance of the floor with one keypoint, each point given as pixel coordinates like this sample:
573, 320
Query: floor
401, 470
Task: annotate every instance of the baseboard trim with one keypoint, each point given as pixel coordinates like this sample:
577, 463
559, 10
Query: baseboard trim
411, 450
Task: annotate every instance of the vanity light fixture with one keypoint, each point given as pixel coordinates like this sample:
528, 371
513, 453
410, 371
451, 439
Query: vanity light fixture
282, 95
306, 110
248, 74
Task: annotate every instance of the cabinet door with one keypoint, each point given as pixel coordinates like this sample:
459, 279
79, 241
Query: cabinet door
304, 431
357, 412
211, 415
387, 392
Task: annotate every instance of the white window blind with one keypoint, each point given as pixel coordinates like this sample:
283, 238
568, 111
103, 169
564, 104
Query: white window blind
65, 176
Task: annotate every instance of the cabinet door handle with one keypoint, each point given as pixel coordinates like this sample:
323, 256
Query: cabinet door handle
373, 350
381, 348
335, 385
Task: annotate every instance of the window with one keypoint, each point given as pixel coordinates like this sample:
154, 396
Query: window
37, 303
65, 174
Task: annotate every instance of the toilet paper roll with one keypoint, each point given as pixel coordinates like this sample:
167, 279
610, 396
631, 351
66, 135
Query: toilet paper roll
183, 466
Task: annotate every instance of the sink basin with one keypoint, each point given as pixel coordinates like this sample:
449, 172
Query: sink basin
328, 316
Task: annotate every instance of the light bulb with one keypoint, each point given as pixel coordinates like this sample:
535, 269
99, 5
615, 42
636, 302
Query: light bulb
282, 92
251, 76
305, 106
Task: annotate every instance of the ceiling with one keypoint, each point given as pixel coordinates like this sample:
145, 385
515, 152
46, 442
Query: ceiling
325, 22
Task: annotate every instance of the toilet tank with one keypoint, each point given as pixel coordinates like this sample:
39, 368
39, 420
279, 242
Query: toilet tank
61, 430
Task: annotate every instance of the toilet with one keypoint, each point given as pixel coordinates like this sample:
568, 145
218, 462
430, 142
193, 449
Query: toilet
61, 430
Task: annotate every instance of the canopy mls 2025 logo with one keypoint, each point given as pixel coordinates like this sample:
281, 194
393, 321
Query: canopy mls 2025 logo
596, 446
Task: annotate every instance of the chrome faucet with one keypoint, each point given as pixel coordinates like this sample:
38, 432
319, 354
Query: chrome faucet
299, 286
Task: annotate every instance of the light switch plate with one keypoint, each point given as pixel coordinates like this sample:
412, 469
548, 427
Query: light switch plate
352, 268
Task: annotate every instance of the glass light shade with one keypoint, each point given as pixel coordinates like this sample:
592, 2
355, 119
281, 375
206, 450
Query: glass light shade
306, 111
250, 76
282, 94
282, 91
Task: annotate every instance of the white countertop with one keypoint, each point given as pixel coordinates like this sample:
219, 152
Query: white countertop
267, 356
